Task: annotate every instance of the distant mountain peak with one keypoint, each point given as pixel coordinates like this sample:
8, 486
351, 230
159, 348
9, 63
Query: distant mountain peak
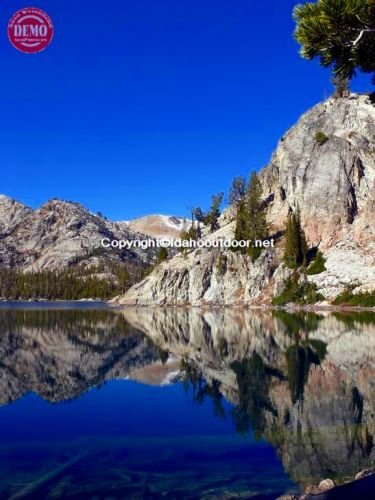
158, 225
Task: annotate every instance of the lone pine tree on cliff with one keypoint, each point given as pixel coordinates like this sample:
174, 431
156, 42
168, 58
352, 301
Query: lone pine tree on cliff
341, 34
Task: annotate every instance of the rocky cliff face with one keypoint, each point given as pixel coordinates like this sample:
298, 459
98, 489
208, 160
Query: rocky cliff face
333, 183
58, 235
11, 213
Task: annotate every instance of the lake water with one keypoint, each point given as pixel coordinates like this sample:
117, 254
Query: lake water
179, 403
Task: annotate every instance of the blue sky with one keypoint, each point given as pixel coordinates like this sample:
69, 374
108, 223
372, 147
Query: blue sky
146, 107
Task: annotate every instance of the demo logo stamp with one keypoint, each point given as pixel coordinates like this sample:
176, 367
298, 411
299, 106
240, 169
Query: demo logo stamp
30, 30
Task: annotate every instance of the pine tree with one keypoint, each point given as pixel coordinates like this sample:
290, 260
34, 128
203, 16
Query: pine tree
251, 223
255, 212
237, 190
340, 33
295, 254
213, 215
161, 255
241, 221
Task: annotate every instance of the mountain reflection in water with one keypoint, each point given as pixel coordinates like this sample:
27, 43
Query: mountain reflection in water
227, 403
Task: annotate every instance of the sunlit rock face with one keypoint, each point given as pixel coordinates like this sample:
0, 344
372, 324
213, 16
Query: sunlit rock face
303, 382
60, 234
11, 213
333, 184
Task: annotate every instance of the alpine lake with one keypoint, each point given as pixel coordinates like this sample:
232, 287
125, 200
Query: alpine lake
99, 402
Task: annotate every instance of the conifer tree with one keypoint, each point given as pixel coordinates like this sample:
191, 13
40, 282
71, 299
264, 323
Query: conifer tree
251, 223
237, 190
213, 215
257, 225
161, 255
295, 241
340, 33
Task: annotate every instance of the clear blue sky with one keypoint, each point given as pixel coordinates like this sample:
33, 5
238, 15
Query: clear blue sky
144, 106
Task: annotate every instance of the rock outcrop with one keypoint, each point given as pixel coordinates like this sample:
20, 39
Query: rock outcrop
60, 234
11, 213
325, 165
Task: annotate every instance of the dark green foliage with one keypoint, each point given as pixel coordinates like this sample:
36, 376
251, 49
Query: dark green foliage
237, 190
161, 255
318, 266
304, 352
68, 284
194, 380
340, 33
199, 215
253, 380
193, 233
347, 298
304, 293
321, 138
251, 223
299, 359
298, 322
350, 318
212, 218
241, 221
295, 254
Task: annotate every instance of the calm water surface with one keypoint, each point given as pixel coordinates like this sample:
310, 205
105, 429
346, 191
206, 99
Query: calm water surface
165, 403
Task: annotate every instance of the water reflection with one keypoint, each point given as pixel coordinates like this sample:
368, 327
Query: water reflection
59, 355
304, 383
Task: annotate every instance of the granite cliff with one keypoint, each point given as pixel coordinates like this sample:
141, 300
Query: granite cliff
325, 165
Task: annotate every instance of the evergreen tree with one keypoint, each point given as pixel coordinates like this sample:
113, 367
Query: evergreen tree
340, 33
199, 215
212, 218
161, 255
251, 223
69, 284
240, 232
237, 190
295, 241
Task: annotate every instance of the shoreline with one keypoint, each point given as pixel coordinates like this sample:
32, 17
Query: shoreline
293, 309
361, 486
